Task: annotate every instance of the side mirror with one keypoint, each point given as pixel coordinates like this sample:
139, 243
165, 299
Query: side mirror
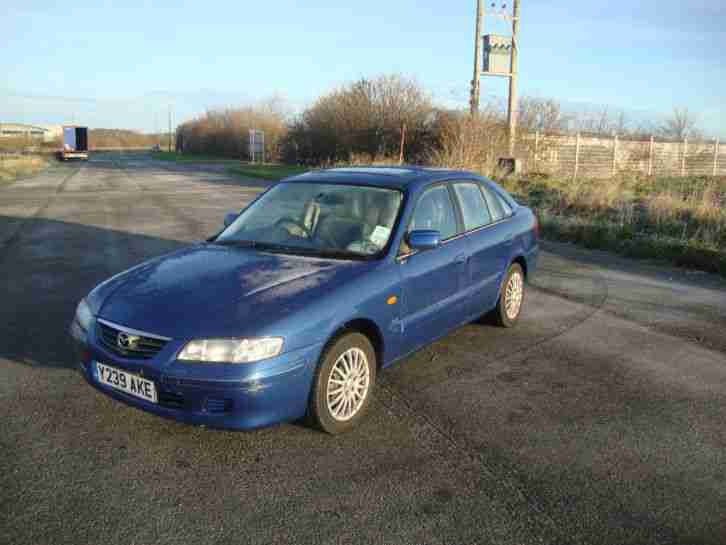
423, 239
229, 218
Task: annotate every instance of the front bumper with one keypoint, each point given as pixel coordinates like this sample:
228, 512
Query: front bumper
244, 396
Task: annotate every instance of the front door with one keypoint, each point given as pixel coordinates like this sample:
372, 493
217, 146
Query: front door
434, 280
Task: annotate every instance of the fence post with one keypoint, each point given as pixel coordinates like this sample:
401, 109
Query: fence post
615, 155
650, 156
536, 150
577, 156
715, 157
683, 158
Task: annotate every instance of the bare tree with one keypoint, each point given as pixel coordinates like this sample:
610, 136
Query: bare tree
680, 125
603, 121
537, 114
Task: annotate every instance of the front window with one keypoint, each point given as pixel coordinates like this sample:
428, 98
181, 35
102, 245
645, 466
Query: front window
318, 219
434, 210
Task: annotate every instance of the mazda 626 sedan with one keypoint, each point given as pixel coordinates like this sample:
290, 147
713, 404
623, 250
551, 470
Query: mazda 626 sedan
297, 304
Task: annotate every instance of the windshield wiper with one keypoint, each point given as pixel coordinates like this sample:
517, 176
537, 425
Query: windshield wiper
317, 252
291, 249
238, 243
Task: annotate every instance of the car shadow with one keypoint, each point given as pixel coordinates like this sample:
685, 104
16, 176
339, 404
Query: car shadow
47, 267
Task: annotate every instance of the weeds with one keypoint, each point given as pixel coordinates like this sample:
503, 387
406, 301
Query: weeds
679, 219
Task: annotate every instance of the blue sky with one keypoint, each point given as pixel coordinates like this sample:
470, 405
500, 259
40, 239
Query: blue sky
121, 64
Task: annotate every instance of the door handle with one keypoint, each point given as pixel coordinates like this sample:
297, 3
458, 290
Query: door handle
462, 259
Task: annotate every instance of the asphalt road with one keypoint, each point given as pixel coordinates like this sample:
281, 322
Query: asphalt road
599, 420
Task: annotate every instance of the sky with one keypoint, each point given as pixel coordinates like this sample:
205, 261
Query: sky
126, 64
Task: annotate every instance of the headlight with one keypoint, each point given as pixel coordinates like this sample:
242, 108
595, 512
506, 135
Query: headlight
84, 316
231, 350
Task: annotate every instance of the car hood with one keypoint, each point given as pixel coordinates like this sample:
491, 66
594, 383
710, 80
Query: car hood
216, 291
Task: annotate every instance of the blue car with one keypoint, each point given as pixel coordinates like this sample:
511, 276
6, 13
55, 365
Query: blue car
297, 304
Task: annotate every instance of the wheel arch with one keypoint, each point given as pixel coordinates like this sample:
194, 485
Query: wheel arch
365, 327
522, 262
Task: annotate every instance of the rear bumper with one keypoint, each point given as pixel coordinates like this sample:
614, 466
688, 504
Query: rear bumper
74, 154
257, 400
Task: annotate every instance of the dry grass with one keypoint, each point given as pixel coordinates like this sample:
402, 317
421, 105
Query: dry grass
680, 219
470, 143
13, 167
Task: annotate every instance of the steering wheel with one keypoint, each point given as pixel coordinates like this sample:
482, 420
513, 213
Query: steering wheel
293, 227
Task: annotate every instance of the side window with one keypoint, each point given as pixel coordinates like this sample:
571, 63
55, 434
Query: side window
495, 204
434, 210
507, 209
473, 208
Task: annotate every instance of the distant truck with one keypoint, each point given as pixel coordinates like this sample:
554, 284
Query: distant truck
75, 143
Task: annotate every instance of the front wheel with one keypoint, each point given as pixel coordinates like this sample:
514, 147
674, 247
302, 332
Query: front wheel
511, 298
343, 384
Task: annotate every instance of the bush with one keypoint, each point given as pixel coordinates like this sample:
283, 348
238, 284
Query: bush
225, 132
469, 142
363, 121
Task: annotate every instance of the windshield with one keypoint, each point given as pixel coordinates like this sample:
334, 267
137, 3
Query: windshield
324, 219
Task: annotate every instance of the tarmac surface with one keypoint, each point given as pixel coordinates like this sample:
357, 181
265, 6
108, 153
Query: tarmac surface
600, 419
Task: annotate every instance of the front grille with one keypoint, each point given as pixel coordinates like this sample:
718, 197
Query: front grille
171, 399
219, 405
143, 348
195, 383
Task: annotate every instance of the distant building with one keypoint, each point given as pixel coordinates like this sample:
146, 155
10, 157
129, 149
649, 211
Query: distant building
47, 133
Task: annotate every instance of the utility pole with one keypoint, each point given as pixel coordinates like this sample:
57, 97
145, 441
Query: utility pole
476, 81
169, 128
498, 65
513, 108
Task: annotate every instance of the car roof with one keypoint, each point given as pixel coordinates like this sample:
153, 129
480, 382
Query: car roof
398, 177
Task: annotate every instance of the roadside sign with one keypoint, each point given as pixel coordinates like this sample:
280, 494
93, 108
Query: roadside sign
257, 145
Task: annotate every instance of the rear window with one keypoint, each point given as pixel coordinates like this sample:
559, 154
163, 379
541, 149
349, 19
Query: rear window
499, 208
505, 205
473, 208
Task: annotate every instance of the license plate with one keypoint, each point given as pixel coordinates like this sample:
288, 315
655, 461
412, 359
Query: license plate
126, 382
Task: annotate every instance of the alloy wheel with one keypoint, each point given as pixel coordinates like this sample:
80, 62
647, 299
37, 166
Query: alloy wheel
348, 384
513, 295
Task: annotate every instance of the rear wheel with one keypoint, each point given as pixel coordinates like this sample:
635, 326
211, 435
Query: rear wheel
343, 384
511, 298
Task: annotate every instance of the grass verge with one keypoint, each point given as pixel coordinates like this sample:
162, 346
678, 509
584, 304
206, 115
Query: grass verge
681, 220
12, 168
188, 158
267, 172
272, 172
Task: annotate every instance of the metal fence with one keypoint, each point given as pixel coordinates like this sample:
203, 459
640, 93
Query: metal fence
598, 157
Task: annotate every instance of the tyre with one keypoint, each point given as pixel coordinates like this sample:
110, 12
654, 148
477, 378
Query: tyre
511, 298
343, 384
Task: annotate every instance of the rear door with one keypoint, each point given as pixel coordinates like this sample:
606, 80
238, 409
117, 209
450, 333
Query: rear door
489, 238
69, 138
81, 138
434, 280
